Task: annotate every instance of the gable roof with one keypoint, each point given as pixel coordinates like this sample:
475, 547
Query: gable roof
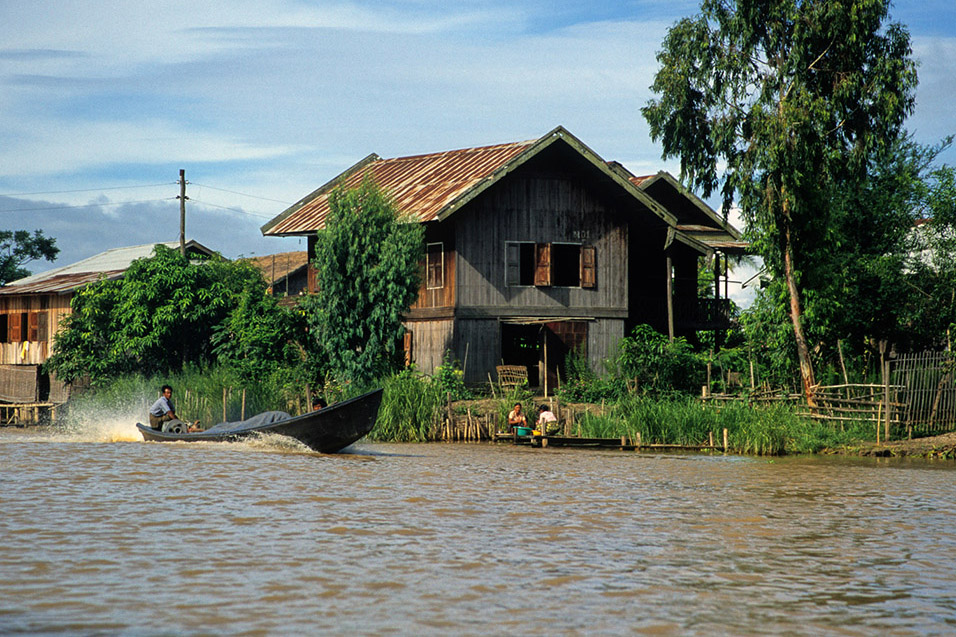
695, 219
434, 186
110, 264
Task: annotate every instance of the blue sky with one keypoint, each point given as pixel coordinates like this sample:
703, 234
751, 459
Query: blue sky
262, 101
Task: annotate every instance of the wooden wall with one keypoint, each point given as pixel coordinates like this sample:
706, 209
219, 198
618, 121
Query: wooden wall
44, 310
539, 208
430, 340
604, 336
478, 348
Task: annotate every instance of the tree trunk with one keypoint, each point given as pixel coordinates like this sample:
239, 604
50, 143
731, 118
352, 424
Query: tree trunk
803, 352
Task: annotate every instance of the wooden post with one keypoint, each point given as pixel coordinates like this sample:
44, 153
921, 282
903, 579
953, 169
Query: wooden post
637, 442
242, 411
224, 396
670, 297
711, 436
886, 401
725, 440
182, 211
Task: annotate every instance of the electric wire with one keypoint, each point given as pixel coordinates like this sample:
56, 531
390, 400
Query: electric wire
60, 192
288, 203
89, 205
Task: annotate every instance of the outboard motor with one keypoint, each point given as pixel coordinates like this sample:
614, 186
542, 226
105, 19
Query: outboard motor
176, 426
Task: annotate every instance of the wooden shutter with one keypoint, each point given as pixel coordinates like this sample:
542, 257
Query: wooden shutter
16, 322
43, 325
512, 263
407, 346
542, 264
588, 267
435, 266
34, 322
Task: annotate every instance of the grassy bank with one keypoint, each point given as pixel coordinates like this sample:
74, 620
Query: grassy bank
414, 406
772, 430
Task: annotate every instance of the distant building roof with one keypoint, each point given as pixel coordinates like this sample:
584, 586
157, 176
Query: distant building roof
110, 264
433, 186
276, 267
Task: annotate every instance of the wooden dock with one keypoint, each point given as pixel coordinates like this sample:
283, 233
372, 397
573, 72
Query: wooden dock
623, 443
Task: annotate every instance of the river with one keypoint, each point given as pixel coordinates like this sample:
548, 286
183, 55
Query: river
104, 534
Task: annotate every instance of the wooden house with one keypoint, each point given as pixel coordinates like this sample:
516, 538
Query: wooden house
31, 310
287, 273
534, 249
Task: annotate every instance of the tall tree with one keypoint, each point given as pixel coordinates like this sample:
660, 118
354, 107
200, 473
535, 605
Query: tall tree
368, 261
792, 96
17, 248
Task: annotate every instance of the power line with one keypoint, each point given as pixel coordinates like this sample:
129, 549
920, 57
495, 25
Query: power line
60, 192
288, 203
240, 210
89, 205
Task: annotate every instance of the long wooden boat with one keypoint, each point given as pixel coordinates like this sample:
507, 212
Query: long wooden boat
327, 431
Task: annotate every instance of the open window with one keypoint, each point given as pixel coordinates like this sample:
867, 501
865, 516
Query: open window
550, 264
434, 266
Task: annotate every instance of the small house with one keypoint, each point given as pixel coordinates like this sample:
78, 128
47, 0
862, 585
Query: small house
31, 310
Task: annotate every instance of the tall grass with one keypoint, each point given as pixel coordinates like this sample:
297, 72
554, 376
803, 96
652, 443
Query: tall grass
774, 430
410, 407
197, 395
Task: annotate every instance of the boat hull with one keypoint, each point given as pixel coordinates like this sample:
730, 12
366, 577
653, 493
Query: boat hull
327, 431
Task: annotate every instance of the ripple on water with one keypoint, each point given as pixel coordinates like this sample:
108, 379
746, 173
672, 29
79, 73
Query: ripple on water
263, 537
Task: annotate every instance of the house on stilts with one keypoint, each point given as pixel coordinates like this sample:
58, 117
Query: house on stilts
538, 248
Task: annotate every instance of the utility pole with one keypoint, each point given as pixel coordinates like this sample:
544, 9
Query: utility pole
182, 211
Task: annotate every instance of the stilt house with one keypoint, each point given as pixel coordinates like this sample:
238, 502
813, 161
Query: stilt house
535, 249
31, 310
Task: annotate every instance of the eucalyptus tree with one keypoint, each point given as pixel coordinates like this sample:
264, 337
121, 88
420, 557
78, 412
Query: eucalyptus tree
779, 103
368, 260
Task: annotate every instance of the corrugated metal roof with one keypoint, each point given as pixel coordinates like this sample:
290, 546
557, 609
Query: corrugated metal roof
274, 267
59, 283
419, 185
110, 263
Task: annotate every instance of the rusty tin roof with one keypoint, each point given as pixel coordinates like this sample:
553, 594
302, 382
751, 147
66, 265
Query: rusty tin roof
433, 186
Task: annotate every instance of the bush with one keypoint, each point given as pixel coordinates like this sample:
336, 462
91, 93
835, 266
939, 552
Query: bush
450, 379
658, 364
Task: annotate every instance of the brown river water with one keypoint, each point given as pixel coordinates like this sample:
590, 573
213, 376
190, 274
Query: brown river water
101, 534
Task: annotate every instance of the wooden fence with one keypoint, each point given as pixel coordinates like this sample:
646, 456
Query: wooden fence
925, 390
918, 395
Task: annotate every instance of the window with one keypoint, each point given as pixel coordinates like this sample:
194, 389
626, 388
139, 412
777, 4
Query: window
434, 266
550, 264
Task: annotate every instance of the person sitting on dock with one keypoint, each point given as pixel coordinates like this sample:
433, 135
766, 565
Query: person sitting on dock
547, 421
516, 417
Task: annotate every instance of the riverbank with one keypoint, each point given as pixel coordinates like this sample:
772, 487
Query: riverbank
942, 446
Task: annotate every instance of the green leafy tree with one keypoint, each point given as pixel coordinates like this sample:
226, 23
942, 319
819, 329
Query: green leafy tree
158, 317
258, 338
368, 262
659, 364
793, 97
17, 248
